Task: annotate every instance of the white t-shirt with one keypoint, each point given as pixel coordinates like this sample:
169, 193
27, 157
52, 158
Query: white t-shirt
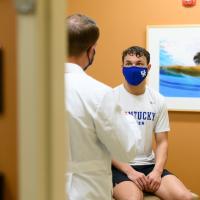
151, 114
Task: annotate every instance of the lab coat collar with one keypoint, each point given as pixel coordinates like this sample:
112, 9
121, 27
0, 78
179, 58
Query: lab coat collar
73, 68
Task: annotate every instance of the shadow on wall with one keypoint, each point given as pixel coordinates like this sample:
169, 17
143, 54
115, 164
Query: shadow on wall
1, 186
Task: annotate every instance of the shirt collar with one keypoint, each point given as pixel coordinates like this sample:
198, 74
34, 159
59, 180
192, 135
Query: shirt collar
73, 68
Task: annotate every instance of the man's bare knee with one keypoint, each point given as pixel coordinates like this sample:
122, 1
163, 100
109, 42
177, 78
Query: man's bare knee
127, 191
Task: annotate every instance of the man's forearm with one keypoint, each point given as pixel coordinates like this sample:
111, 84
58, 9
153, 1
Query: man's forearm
161, 156
124, 167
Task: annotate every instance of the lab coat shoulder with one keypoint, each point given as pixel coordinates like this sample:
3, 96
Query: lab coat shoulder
90, 90
98, 88
114, 129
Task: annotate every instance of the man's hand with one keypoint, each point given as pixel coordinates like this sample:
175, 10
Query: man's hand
154, 181
138, 178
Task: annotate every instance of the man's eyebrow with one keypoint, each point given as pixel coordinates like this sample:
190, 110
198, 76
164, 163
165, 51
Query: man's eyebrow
128, 61
140, 61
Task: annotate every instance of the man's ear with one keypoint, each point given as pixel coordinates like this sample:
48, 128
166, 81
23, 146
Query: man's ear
92, 49
149, 67
122, 64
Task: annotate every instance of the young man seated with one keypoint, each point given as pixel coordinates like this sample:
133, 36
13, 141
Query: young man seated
146, 172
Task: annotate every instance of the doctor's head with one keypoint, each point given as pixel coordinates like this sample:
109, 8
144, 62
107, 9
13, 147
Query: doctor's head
135, 65
82, 35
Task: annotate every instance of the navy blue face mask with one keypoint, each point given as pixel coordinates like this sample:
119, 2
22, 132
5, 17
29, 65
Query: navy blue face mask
134, 74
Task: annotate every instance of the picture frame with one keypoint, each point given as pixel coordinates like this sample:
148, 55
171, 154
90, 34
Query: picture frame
175, 64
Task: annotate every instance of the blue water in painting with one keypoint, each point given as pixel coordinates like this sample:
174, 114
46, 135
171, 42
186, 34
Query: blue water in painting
179, 85
166, 59
174, 84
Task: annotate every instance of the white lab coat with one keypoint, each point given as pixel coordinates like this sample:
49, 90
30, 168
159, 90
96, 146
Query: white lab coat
98, 129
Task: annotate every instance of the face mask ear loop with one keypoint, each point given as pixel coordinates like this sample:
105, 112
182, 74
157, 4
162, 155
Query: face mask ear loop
89, 61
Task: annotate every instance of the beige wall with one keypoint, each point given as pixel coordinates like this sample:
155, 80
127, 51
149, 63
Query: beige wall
123, 23
41, 129
8, 134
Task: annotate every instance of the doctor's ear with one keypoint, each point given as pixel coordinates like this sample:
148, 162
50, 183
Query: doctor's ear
91, 49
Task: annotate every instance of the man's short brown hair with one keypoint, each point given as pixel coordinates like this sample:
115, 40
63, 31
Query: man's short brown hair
81, 35
136, 50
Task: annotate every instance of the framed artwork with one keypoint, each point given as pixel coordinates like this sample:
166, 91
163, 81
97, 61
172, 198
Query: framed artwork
175, 64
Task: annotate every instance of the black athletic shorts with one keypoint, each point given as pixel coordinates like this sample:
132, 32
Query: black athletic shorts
118, 176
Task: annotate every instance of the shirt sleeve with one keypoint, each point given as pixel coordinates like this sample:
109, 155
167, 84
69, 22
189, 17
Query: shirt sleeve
113, 129
162, 124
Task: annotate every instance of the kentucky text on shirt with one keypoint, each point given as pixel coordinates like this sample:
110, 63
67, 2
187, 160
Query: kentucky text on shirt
142, 115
